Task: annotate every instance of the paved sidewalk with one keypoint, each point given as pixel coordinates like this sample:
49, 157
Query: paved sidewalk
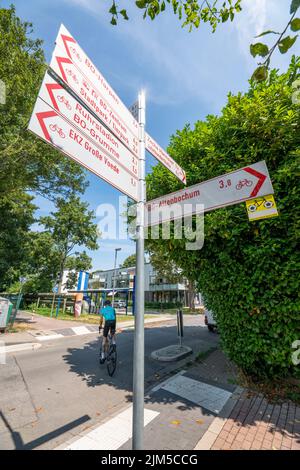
45, 328
201, 408
256, 424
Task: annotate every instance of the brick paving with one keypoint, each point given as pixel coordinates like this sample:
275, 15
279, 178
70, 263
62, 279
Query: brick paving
255, 424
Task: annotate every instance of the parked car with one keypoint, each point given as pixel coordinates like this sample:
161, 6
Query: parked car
210, 321
120, 304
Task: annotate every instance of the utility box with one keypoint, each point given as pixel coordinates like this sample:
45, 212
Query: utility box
5, 311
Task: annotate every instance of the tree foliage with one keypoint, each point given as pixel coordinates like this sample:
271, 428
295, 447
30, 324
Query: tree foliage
71, 226
283, 43
247, 272
190, 12
27, 165
129, 261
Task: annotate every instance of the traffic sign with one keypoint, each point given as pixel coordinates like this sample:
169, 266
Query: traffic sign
261, 208
50, 126
163, 157
122, 124
71, 49
71, 109
226, 190
68, 56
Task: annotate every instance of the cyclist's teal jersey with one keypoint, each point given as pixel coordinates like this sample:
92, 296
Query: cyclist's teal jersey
108, 313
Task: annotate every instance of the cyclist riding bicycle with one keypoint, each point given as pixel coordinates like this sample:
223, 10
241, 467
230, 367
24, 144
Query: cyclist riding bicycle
109, 315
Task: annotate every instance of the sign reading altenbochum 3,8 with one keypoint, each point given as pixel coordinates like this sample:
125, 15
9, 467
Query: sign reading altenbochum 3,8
226, 190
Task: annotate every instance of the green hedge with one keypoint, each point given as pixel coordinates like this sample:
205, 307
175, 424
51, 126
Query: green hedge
248, 272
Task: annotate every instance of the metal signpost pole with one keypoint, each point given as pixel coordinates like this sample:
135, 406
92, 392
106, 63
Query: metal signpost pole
138, 358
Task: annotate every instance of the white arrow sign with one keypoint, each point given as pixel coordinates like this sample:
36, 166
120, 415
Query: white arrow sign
163, 157
231, 188
70, 49
50, 126
123, 126
59, 99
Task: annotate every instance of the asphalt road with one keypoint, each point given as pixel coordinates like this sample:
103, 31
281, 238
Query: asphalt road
49, 395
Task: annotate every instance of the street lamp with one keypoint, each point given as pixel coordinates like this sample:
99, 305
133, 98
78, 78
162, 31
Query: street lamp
114, 280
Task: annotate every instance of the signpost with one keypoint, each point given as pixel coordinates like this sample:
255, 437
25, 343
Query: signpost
226, 190
162, 156
50, 126
115, 116
79, 116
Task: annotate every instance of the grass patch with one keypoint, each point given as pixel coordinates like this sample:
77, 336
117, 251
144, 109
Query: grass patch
201, 356
92, 319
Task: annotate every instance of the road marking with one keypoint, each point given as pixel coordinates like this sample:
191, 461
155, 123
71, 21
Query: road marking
80, 330
47, 337
207, 396
165, 382
110, 435
20, 347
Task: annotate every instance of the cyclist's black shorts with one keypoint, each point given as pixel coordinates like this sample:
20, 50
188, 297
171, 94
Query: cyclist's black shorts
110, 325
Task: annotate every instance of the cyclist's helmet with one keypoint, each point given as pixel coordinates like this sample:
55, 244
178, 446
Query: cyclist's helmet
107, 302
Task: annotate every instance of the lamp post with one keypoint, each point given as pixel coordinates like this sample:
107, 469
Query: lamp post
114, 280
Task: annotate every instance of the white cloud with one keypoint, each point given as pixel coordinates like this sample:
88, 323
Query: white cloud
176, 66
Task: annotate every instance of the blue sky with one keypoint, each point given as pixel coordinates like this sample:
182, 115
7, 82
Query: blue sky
186, 75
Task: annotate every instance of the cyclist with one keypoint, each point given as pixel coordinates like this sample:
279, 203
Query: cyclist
109, 315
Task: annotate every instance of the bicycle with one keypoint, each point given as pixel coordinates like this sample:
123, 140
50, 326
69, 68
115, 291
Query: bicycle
56, 128
110, 356
243, 183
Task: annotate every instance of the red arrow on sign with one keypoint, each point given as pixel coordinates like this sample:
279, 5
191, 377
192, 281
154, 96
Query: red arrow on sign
50, 88
261, 180
65, 40
60, 61
41, 118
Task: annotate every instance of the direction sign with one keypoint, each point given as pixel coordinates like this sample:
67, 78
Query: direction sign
161, 155
58, 98
71, 49
123, 125
231, 188
50, 126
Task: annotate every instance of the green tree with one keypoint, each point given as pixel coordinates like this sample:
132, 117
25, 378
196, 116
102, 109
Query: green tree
71, 226
247, 272
129, 261
17, 214
79, 262
191, 12
27, 163
283, 43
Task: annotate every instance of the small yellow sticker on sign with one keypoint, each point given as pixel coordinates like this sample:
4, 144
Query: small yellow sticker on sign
261, 208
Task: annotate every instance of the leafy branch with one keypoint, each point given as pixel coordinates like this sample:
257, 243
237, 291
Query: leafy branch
189, 11
282, 43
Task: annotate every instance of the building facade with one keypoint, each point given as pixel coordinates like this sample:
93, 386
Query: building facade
157, 288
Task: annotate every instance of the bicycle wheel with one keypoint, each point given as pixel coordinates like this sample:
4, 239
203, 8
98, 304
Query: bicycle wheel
111, 361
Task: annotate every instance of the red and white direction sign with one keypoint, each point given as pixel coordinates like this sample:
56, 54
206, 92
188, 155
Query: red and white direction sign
226, 190
58, 98
50, 126
122, 127
72, 50
161, 155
